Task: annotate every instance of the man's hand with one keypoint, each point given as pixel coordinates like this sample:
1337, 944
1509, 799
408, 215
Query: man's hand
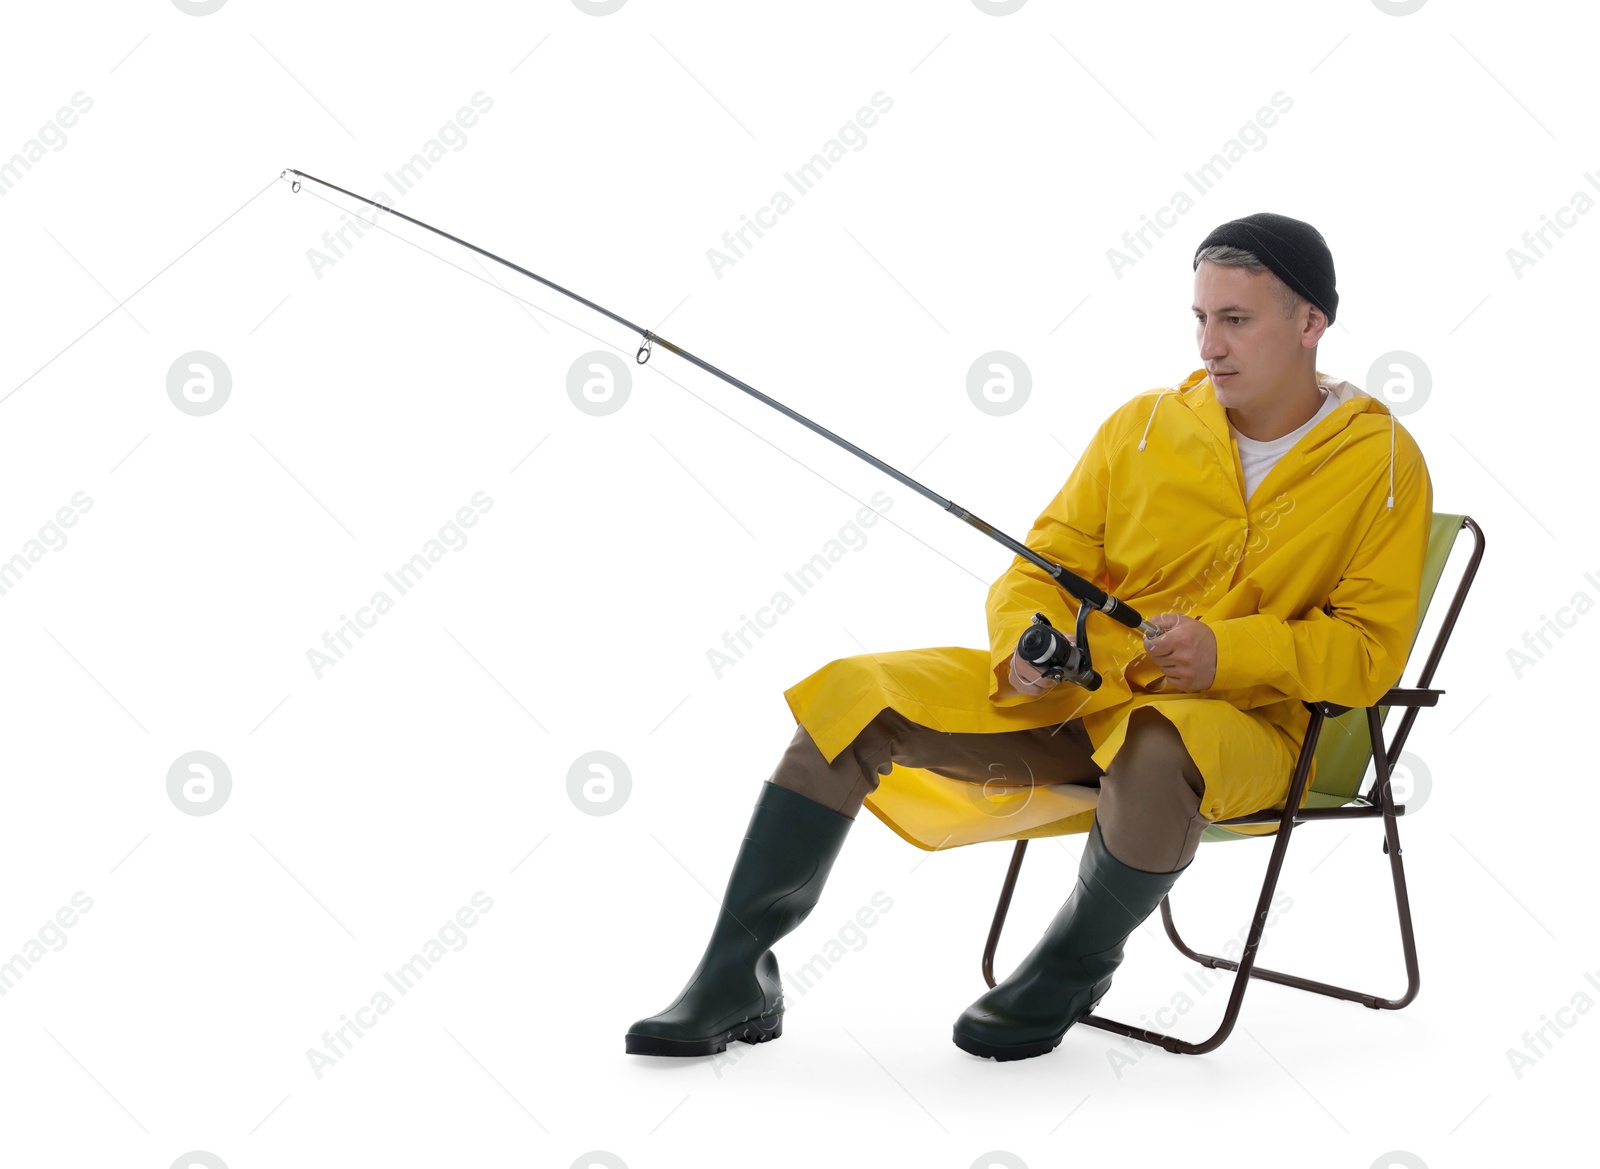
1025, 679
1186, 651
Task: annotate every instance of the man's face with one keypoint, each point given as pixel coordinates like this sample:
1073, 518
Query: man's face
1242, 333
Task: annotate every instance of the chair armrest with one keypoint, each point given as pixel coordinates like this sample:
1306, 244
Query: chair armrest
1395, 697
1398, 697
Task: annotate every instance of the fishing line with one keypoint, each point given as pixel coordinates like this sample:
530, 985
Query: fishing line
662, 373
1040, 643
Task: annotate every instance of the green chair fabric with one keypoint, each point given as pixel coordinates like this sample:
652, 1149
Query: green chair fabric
1345, 748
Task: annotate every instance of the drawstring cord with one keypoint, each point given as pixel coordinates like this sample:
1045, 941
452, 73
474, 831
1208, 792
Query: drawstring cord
1152, 417
1391, 460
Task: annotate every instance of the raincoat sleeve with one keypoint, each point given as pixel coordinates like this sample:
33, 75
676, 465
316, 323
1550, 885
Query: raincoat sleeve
1354, 649
1071, 531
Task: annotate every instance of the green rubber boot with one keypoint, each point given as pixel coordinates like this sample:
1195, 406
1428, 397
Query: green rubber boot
1065, 976
736, 991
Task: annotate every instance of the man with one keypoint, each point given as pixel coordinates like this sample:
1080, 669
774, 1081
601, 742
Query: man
1272, 521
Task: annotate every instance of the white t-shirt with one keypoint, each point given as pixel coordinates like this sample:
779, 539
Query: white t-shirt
1258, 457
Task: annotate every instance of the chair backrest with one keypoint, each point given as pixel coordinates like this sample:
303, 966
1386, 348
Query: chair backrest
1345, 748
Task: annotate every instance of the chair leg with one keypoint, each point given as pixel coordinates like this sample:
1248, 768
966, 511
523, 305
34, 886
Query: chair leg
1245, 966
1408, 945
1246, 969
1000, 910
1384, 793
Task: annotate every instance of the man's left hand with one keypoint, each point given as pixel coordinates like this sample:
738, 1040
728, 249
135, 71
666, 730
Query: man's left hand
1186, 651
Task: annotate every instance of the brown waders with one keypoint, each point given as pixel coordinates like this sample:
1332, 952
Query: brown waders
1149, 803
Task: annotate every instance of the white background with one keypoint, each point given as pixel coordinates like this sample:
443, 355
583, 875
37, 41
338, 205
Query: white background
371, 400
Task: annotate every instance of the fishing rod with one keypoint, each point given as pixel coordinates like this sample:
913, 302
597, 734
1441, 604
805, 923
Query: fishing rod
1041, 644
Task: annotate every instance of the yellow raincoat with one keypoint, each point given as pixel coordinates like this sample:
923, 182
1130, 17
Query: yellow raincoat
1311, 588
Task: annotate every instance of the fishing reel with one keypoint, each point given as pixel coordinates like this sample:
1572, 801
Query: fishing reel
1044, 648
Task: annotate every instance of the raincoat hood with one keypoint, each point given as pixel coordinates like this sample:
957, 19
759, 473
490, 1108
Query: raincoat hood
1316, 438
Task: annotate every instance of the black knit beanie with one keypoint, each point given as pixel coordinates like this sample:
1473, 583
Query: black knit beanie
1294, 251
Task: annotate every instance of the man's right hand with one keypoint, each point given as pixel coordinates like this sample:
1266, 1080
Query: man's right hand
1025, 679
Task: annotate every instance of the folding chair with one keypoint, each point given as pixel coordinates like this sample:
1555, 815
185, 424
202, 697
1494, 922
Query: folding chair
1342, 755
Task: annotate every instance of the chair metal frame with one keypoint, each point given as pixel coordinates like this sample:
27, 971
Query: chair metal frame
1377, 803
